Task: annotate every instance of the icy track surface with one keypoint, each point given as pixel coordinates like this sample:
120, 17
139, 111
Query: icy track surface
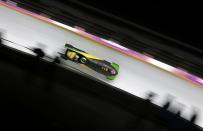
134, 77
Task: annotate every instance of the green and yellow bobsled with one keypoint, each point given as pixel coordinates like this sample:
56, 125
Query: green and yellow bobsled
110, 70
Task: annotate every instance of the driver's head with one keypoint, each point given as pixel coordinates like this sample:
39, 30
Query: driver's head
71, 55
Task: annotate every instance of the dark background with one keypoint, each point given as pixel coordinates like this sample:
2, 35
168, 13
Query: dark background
181, 21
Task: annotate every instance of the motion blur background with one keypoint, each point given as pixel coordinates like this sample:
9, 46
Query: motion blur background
46, 95
180, 20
